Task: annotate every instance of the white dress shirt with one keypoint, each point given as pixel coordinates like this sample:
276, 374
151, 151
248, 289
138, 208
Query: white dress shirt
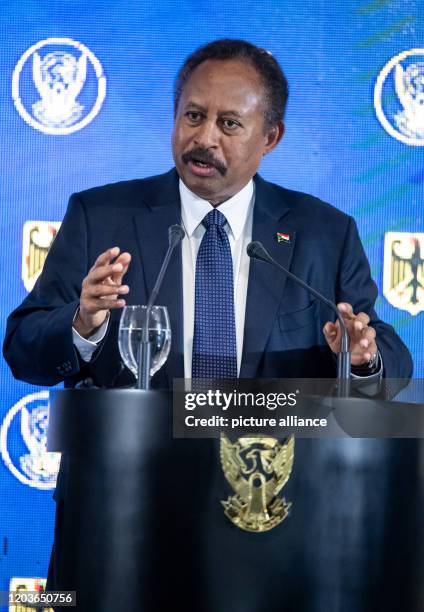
238, 211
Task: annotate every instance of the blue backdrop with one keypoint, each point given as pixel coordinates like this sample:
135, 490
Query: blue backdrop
335, 147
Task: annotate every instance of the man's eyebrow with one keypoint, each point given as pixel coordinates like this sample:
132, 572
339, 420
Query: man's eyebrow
231, 112
191, 104
203, 109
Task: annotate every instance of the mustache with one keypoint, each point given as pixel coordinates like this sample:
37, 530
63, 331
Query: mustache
204, 155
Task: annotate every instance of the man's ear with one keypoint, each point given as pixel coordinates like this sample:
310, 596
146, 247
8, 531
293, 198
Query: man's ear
273, 136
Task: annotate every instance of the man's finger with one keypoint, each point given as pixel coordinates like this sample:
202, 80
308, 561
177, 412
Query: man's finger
370, 333
362, 319
368, 338
98, 291
360, 326
330, 329
124, 259
332, 335
346, 309
97, 275
106, 257
97, 305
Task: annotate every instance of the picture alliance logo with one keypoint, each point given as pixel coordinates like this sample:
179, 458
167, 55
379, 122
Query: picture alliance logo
58, 86
399, 97
23, 442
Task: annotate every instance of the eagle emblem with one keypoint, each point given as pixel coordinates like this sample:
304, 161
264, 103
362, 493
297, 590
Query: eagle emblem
399, 97
58, 86
409, 84
38, 237
59, 78
403, 282
257, 468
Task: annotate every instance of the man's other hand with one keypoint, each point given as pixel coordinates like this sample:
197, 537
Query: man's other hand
362, 343
101, 290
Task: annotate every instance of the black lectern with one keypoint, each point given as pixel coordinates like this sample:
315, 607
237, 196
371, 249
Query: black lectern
130, 500
140, 526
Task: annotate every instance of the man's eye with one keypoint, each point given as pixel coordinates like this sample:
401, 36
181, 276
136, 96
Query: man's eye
230, 124
193, 116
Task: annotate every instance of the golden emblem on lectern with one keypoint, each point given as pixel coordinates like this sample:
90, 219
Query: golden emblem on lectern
257, 468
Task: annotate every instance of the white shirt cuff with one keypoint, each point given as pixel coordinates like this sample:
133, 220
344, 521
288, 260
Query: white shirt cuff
87, 346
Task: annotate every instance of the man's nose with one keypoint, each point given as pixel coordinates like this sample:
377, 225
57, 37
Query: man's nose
207, 135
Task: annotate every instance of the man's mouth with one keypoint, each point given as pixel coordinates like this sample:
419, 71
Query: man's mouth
201, 168
202, 163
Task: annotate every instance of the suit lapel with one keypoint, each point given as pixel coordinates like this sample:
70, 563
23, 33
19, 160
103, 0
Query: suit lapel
163, 208
266, 285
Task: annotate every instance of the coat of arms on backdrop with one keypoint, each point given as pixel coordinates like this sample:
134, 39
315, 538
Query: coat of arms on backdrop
23, 442
403, 275
58, 86
38, 237
399, 97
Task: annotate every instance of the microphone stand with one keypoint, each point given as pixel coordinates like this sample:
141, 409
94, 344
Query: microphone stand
175, 234
144, 357
257, 251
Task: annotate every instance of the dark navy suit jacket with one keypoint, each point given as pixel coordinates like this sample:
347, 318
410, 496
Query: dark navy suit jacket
283, 324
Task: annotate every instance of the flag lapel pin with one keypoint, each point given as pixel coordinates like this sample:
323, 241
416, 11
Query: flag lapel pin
282, 237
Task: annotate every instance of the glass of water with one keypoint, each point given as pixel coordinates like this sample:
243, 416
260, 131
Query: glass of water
131, 326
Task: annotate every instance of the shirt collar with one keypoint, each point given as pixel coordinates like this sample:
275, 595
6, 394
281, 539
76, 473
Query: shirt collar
236, 209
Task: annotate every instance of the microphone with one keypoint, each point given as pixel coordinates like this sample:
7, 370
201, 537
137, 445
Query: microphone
175, 235
256, 250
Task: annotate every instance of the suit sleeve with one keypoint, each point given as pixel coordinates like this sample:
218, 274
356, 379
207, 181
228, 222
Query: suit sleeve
356, 286
38, 345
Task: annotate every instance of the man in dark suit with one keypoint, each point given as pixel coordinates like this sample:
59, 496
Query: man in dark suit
229, 107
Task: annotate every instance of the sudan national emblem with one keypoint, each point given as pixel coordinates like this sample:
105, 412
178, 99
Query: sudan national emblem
403, 276
399, 97
23, 442
257, 468
58, 86
38, 237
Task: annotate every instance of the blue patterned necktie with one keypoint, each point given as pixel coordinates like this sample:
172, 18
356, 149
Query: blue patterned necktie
214, 343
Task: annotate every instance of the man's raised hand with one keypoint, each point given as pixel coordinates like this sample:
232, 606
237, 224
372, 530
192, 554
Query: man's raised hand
362, 343
101, 291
